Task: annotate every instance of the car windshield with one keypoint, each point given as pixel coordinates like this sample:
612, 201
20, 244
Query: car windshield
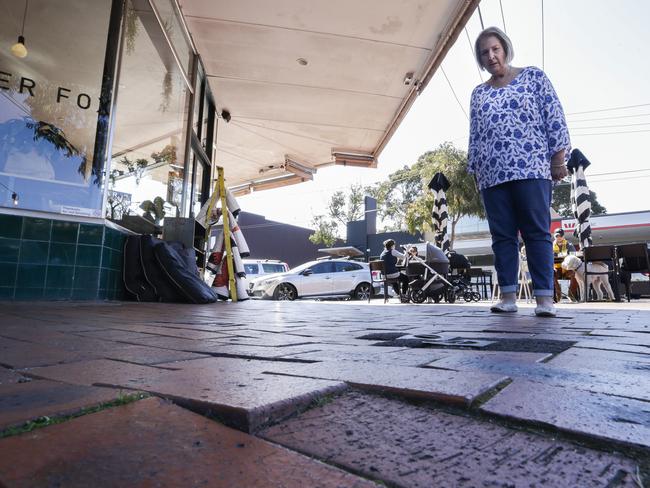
303, 267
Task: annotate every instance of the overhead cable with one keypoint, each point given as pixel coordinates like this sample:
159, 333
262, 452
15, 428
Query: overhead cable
609, 109
503, 17
454, 92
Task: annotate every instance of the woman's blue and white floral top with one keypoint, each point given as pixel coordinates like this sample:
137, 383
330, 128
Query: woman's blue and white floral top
515, 130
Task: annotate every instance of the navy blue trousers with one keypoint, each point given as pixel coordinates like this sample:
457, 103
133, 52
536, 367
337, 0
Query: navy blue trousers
521, 206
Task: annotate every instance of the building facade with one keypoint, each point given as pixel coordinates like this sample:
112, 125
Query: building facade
106, 124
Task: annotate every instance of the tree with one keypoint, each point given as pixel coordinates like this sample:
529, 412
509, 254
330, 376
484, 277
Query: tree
463, 198
562, 201
343, 207
325, 231
347, 207
394, 196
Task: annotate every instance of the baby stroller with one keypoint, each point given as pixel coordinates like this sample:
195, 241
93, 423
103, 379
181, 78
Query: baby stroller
459, 266
426, 274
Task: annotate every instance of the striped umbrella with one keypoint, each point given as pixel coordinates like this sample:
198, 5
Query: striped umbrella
580, 200
439, 185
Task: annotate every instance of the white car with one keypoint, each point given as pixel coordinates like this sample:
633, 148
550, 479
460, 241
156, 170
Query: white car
258, 267
335, 277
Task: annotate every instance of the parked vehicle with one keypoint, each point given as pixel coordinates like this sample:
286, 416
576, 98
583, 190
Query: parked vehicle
258, 267
335, 277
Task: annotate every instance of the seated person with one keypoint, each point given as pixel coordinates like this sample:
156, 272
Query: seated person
412, 252
390, 256
561, 247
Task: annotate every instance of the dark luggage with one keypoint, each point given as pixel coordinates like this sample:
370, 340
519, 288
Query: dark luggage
165, 289
133, 275
184, 278
162, 271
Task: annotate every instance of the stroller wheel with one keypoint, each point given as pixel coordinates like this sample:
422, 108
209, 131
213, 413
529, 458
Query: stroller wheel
417, 296
468, 296
477, 296
450, 296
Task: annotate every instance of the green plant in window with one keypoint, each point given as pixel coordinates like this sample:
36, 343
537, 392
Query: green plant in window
137, 168
166, 155
154, 211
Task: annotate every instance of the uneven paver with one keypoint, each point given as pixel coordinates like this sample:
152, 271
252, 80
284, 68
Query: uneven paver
21, 402
418, 447
250, 365
8, 376
600, 416
632, 385
445, 386
236, 390
152, 443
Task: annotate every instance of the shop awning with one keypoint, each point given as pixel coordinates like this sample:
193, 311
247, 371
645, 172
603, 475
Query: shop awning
317, 82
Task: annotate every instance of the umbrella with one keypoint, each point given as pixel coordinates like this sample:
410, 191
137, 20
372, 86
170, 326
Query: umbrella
580, 200
439, 185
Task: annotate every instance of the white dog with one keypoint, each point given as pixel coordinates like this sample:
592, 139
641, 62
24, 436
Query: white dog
574, 263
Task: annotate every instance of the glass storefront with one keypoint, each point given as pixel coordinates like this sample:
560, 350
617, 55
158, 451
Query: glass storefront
108, 117
49, 102
148, 151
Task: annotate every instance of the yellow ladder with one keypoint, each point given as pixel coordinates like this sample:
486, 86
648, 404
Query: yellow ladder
219, 192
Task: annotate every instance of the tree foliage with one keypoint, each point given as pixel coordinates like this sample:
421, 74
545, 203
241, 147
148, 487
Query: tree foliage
325, 231
404, 202
463, 198
344, 206
562, 201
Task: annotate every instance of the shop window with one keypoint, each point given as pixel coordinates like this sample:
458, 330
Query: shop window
170, 18
148, 152
48, 105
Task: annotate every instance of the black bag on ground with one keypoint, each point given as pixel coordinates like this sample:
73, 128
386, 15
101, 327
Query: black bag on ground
181, 274
155, 275
133, 275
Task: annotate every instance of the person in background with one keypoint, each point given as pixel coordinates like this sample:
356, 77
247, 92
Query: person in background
390, 256
518, 146
561, 247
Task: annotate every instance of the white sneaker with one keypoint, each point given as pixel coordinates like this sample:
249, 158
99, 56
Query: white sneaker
545, 311
503, 307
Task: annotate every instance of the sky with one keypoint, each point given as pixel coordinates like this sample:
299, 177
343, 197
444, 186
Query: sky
595, 54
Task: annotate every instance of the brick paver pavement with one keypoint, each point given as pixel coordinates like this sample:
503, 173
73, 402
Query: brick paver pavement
408, 395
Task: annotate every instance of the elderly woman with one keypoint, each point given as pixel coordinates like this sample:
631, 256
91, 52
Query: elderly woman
518, 145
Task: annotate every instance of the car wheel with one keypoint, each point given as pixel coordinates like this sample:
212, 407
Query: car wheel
285, 291
363, 291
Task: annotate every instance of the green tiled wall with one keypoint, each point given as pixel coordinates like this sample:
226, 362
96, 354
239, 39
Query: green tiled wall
43, 259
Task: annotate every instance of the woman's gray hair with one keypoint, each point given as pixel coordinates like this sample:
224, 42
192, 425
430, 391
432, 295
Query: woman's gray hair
503, 39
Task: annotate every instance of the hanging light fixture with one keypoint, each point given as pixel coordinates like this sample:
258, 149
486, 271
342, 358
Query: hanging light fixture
14, 195
19, 50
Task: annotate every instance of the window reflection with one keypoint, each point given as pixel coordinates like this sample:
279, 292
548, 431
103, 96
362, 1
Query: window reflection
147, 166
48, 105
